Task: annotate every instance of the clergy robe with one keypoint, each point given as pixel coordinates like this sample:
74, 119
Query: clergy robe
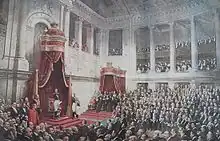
33, 116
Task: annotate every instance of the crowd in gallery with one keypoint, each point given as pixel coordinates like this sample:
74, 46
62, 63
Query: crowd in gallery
181, 66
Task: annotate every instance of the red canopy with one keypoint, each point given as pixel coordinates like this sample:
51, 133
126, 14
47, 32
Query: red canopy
112, 80
51, 74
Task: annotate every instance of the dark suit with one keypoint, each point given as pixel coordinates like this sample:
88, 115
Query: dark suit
84, 130
2, 131
26, 138
14, 112
23, 112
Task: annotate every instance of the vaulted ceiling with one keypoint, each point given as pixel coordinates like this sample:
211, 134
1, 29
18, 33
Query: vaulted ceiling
112, 8
109, 8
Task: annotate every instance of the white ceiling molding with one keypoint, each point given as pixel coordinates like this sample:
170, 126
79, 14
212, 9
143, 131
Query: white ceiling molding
143, 18
82, 10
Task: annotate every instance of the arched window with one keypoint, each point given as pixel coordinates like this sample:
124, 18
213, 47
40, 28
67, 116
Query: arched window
33, 55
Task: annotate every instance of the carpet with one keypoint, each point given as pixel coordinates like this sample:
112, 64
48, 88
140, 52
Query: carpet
66, 122
94, 116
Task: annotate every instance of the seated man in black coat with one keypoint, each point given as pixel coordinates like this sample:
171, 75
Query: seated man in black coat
14, 111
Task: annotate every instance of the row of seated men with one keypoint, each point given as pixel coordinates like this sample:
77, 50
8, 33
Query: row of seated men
104, 102
181, 66
181, 114
164, 47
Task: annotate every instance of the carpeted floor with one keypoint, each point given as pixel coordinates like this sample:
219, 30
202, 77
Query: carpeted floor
90, 116
94, 116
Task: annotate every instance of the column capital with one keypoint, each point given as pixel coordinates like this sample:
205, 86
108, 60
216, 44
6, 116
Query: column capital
171, 24
104, 30
152, 27
92, 26
80, 19
193, 18
67, 8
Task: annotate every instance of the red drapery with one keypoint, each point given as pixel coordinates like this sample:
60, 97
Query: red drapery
51, 74
112, 79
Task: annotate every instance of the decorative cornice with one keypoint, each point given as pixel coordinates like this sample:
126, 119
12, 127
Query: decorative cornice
160, 17
118, 22
82, 10
23, 75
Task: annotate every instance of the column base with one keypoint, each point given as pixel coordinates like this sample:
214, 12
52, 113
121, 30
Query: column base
152, 71
130, 83
23, 64
152, 86
193, 70
5, 63
194, 84
172, 71
171, 85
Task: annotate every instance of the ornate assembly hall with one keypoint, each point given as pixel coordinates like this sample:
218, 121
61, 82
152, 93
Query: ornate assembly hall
110, 70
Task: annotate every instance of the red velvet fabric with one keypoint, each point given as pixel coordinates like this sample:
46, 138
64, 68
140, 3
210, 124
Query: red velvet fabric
33, 116
51, 76
46, 66
55, 81
112, 79
110, 83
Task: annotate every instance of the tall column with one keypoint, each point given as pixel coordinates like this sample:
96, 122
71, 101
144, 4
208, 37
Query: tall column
194, 49
100, 35
78, 32
171, 85
103, 45
61, 17
11, 32
90, 38
217, 35
131, 73
66, 31
152, 85
152, 50
106, 42
172, 49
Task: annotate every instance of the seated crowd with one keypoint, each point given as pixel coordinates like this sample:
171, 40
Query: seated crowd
162, 67
143, 50
115, 51
162, 47
183, 66
143, 68
183, 113
210, 40
207, 64
183, 45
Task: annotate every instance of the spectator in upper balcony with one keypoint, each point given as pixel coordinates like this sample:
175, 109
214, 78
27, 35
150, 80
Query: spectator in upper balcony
207, 64
115, 51
143, 68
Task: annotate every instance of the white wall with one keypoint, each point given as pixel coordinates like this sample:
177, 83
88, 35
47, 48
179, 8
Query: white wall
82, 64
128, 60
84, 91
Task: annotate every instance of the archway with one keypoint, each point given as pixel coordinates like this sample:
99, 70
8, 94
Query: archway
35, 22
33, 54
